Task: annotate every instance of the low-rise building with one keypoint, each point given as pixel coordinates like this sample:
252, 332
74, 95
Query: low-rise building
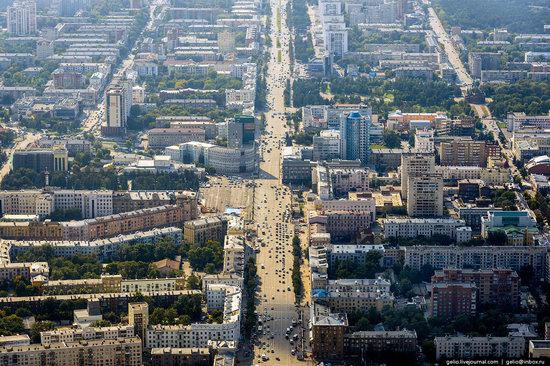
168, 356
75, 334
199, 334
200, 231
412, 228
479, 347
160, 138
539, 349
381, 343
479, 257
518, 226
327, 329
101, 352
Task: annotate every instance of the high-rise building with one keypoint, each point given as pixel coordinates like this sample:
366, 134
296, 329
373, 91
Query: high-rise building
413, 164
336, 39
21, 18
44, 49
138, 316
241, 130
118, 101
450, 299
354, 135
424, 140
425, 196
326, 146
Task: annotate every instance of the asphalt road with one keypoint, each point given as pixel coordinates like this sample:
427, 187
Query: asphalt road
452, 53
272, 207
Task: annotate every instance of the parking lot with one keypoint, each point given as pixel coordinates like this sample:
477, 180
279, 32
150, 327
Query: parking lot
221, 193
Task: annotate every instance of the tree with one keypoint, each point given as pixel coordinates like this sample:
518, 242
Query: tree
10, 325
391, 139
210, 253
38, 327
193, 282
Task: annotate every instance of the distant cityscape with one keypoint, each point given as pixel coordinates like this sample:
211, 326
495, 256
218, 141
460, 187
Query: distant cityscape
282, 182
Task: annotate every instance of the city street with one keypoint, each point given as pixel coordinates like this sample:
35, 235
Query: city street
452, 53
272, 214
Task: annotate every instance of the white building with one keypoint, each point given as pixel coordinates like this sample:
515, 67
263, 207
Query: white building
424, 141
425, 196
484, 257
327, 145
199, 334
138, 95
412, 228
234, 254
91, 203
86, 333
356, 253
480, 347
44, 49
413, 164
491, 176
21, 18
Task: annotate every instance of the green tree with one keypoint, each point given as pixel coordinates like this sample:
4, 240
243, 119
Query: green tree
391, 139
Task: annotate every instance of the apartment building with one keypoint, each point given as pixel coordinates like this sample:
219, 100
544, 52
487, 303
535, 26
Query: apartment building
182, 356
101, 352
327, 329
75, 334
356, 253
480, 347
517, 120
415, 164
101, 227
494, 286
344, 180
199, 334
138, 318
380, 342
374, 285
424, 141
224, 278
21, 18
342, 225
327, 145
359, 202
102, 248
353, 301
200, 231
30, 271
235, 254
482, 257
160, 138
463, 151
450, 300
425, 195
412, 228
491, 176
137, 200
